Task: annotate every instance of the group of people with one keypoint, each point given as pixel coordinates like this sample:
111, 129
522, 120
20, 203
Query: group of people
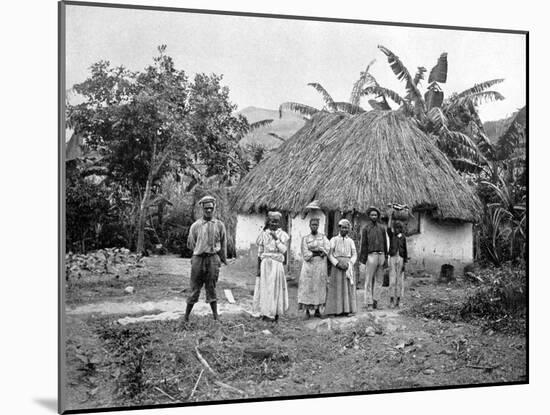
327, 283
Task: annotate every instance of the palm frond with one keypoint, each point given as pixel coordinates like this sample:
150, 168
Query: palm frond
465, 165
437, 118
501, 191
277, 136
329, 102
484, 144
476, 98
297, 107
379, 105
371, 81
402, 73
433, 96
259, 124
439, 71
380, 91
348, 108
419, 75
458, 145
364, 79
482, 86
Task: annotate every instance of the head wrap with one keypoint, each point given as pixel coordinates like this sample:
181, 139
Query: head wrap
344, 222
371, 208
312, 220
274, 215
207, 199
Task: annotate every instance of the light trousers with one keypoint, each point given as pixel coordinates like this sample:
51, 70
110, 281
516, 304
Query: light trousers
375, 274
396, 276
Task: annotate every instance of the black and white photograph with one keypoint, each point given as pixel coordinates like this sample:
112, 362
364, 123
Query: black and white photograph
264, 207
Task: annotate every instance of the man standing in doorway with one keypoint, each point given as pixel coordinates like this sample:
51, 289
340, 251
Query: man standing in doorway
374, 253
207, 239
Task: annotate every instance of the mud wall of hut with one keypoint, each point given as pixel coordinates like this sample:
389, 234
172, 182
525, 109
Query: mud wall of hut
248, 228
441, 243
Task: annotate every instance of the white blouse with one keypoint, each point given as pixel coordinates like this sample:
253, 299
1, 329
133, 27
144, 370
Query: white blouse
342, 247
271, 248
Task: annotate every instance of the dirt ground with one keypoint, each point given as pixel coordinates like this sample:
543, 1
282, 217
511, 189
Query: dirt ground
159, 360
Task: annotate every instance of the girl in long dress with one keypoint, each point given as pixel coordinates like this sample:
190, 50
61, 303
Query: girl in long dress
341, 295
270, 292
312, 286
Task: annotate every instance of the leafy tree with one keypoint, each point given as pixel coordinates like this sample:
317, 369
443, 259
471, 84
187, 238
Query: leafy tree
503, 188
147, 123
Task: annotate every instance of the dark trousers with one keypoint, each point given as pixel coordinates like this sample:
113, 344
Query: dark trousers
204, 271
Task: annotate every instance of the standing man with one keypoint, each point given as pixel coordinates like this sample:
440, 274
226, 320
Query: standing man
207, 239
374, 253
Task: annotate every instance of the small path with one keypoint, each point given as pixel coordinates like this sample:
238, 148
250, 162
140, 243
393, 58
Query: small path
172, 307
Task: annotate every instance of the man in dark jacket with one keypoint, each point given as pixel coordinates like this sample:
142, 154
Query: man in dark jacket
374, 254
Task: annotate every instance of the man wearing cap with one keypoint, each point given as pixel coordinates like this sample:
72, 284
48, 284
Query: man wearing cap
374, 254
207, 239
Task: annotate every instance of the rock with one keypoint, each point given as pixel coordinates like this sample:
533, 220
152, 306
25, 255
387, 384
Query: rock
369, 331
267, 332
320, 326
129, 290
391, 327
428, 371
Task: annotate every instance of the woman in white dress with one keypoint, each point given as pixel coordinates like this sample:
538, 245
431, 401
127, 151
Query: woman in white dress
271, 292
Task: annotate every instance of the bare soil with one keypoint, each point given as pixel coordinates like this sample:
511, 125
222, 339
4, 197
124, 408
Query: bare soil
109, 364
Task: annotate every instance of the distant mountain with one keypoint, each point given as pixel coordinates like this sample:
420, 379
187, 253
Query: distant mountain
284, 127
495, 129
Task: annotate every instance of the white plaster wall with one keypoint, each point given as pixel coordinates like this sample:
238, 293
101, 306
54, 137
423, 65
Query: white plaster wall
300, 228
441, 243
248, 228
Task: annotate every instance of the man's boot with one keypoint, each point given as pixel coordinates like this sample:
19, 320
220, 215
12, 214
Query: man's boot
214, 307
397, 301
374, 304
391, 302
188, 311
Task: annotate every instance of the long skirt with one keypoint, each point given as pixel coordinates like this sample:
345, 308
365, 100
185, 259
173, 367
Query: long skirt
312, 286
341, 295
270, 292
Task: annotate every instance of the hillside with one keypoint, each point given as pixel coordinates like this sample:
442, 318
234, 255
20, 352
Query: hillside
495, 129
284, 127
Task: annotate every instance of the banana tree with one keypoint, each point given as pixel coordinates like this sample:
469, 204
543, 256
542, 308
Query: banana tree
454, 122
330, 105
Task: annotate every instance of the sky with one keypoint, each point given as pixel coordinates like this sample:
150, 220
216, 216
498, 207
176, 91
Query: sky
268, 61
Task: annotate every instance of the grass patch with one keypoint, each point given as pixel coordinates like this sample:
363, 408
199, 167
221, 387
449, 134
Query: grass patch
499, 303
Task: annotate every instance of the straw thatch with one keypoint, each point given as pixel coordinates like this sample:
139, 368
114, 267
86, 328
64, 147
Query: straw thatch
349, 163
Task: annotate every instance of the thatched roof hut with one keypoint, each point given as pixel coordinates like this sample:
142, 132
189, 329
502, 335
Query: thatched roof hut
348, 163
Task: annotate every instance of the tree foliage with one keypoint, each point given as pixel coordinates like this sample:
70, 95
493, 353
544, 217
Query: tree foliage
147, 123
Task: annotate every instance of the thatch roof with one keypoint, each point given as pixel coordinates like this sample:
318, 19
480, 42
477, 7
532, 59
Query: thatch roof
349, 163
